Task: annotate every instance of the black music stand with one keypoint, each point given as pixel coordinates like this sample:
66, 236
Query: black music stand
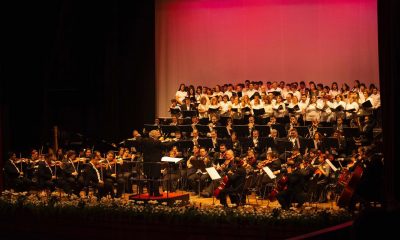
168, 129
263, 130
189, 113
325, 131
204, 129
150, 127
222, 131
331, 142
302, 130
261, 120
199, 165
185, 128
223, 120
174, 111
367, 104
241, 130
281, 129
170, 162
350, 132
206, 143
284, 145
204, 121
184, 144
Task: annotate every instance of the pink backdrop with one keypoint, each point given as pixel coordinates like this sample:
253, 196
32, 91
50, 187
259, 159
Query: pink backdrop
209, 42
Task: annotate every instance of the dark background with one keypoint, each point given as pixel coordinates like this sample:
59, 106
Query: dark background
89, 67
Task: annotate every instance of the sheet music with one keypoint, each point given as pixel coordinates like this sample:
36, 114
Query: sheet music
214, 175
268, 171
170, 159
331, 165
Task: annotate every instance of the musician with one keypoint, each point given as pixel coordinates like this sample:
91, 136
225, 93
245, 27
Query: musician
339, 125
234, 187
174, 107
235, 145
171, 173
72, 181
292, 123
226, 105
14, 177
295, 139
94, 176
367, 128
214, 122
46, 175
112, 173
187, 106
294, 192
320, 178
295, 159
256, 143
318, 143
311, 110
214, 140
220, 154
152, 153
273, 162
197, 175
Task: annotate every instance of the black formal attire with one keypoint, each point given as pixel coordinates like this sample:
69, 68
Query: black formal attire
234, 186
93, 176
295, 191
152, 154
12, 177
45, 174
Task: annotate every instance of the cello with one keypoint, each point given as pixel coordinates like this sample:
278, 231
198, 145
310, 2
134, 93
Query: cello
348, 192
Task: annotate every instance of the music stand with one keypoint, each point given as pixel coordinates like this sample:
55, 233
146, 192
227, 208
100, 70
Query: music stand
214, 175
199, 165
350, 132
366, 104
263, 130
168, 129
184, 144
331, 142
150, 127
307, 142
261, 120
205, 142
325, 131
189, 113
223, 120
204, 121
174, 111
204, 129
170, 161
281, 129
302, 130
222, 131
241, 130
284, 145
185, 128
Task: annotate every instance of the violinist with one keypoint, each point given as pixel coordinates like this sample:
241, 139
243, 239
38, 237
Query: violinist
198, 175
72, 181
319, 179
171, 173
14, 177
274, 163
295, 159
235, 145
46, 175
220, 154
294, 191
111, 174
235, 184
94, 176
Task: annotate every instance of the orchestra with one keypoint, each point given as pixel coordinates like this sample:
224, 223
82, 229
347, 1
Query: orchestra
299, 160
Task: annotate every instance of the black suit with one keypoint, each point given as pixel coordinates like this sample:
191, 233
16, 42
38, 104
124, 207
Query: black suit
152, 154
234, 186
13, 179
45, 176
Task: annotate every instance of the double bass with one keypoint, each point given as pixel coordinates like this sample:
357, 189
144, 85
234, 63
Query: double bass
348, 192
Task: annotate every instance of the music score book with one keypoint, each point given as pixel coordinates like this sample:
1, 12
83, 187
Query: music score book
170, 159
268, 171
214, 175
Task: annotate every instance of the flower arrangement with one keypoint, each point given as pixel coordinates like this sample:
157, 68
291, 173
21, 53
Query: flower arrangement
41, 205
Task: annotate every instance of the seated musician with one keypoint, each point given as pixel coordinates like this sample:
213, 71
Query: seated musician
112, 173
319, 179
220, 154
235, 184
196, 178
171, 173
94, 176
273, 162
14, 177
46, 175
294, 191
72, 180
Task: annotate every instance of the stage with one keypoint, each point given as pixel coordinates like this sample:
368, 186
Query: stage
170, 199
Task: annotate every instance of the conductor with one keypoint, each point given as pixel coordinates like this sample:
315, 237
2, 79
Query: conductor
152, 152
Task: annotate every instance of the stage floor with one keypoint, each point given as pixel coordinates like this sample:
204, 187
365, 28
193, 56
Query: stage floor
195, 199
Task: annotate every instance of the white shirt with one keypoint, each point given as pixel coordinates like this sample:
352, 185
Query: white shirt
180, 95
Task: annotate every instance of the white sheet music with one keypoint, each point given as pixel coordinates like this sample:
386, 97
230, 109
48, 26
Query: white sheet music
331, 165
268, 171
170, 159
214, 175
